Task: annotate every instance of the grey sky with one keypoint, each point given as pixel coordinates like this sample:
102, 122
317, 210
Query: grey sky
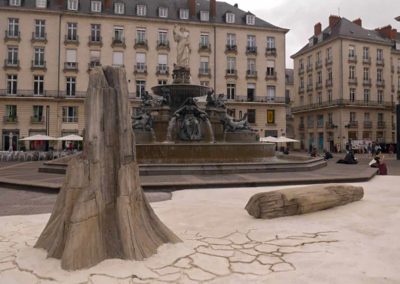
301, 16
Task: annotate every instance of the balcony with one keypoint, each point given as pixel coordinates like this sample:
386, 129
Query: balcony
318, 85
118, 42
74, 95
328, 61
95, 41
352, 125
271, 76
330, 125
12, 36
301, 70
318, 64
205, 72
141, 44
251, 74
10, 119
38, 65
367, 83
352, 58
367, 124
162, 70
270, 51
310, 88
381, 125
353, 81
93, 64
70, 39
11, 64
37, 119
261, 99
380, 62
231, 48
162, 45
309, 68
231, 73
39, 38
204, 47
70, 119
140, 69
380, 83
251, 50
301, 89
70, 67
366, 60
342, 103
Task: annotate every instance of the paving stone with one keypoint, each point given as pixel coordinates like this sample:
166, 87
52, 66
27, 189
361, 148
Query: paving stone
281, 267
268, 259
238, 238
266, 248
183, 263
199, 275
17, 277
100, 279
213, 264
216, 252
168, 270
214, 241
221, 247
252, 268
242, 257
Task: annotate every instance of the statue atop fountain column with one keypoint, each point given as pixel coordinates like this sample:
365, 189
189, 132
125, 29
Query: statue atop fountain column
181, 73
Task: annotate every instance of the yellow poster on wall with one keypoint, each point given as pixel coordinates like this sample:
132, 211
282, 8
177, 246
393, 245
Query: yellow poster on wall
270, 116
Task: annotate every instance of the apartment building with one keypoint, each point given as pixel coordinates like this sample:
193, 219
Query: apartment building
49, 47
346, 84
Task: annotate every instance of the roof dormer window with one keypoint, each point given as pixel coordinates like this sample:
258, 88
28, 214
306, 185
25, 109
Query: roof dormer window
14, 2
41, 3
230, 18
95, 6
250, 20
73, 5
184, 14
204, 16
119, 8
141, 10
163, 12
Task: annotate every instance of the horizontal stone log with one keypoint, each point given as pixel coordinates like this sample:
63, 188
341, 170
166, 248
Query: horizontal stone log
301, 200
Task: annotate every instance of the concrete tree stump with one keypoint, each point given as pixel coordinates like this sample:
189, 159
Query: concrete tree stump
301, 200
101, 211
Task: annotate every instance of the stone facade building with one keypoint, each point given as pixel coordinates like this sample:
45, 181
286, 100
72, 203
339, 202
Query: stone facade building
49, 46
347, 81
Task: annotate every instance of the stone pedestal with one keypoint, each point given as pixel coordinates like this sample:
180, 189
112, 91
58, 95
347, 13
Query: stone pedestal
181, 75
144, 137
240, 137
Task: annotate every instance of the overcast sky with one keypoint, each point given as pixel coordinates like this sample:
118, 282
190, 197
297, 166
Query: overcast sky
301, 16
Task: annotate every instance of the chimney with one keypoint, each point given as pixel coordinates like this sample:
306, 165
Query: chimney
60, 3
192, 8
333, 20
385, 31
213, 8
358, 22
394, 34
236, 5
317, 29
107, 4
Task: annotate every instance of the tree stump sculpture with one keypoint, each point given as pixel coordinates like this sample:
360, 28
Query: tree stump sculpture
101, 211
301, 200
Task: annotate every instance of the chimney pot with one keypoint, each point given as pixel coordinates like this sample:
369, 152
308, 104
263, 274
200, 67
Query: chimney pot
236, 5
333, 20
107, 4
213, 8
317, 29
358, 22
192, 8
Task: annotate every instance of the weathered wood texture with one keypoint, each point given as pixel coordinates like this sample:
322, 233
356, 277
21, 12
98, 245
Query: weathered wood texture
301, 200
101, 211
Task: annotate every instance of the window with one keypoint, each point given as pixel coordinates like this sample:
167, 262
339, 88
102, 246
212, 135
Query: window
270, 42
366, 95
309, 61
271, 93
379, 75
330, 98
94, 58
71, 86
301, 82
251, 66
118, 58
140, 62
73, 5
365, 53
141, 36
162, 82
184, 14
230, 18
231, 65
380, 117
318, 57
329, 53
72, 30
15, 2
270, 68
41, 3
330, 74
251, 41
70, 114
40, 26
301, 64
13, 27
231, 40
379, 54
39, 56
352, 51
163, 12
319, 98
12, 55
352, 72
70, 58
141, 10
118, 34
310, 121
204, 83
12, 84
353, 117
95, 6
366, 74
119, 8
162, 67
251, 115
204, 16
11, 111
204, 65
140, 88
230, 91
38, 113
95, 33
380, 97
162, 37
352, 94
38, 85
204, 40
250, 20
320, 120
319, 77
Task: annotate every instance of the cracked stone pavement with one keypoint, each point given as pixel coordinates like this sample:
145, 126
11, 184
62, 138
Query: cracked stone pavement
356, 243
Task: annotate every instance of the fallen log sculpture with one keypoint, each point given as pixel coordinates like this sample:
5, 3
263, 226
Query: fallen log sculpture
101, 211
301, 200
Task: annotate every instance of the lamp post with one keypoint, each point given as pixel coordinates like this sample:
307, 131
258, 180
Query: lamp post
10, 142
398, 119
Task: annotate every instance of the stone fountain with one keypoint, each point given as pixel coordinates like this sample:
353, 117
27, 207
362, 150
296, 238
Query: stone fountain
171, 127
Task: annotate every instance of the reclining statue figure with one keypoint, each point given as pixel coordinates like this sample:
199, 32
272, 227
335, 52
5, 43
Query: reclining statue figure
232, 125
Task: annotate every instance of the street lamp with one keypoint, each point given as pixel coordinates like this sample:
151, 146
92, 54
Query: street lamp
398, 119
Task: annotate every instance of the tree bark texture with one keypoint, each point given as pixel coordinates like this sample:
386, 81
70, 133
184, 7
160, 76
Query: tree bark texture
101, 211
301, 200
